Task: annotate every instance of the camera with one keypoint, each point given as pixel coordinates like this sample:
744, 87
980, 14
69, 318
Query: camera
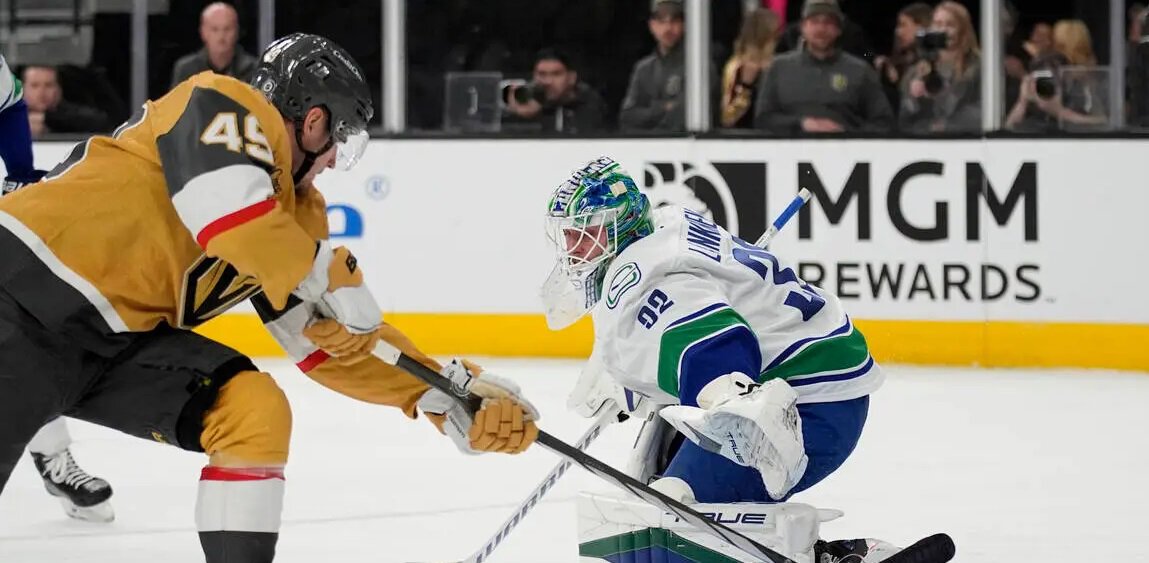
1045, 72
931, 42
521, 92
1044, 83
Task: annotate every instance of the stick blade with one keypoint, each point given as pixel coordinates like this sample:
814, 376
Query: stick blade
938, 548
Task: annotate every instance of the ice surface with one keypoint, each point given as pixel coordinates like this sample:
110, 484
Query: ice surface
1017, 465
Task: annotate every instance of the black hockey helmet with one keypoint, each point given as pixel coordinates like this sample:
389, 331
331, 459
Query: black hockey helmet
302, 71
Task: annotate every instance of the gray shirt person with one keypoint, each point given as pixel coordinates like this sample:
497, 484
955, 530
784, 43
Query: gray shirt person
655, 99
840, 87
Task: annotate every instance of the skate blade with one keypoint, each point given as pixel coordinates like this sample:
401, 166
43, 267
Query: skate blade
100, 513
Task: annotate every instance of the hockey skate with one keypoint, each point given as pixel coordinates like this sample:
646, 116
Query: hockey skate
83, 496
938, 548
853, 551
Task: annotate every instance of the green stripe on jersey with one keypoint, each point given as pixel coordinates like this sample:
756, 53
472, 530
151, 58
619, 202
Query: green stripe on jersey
651, 538
837, 353
677, 340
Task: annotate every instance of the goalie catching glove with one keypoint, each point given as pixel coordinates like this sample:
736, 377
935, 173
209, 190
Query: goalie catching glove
752, 425
504, 424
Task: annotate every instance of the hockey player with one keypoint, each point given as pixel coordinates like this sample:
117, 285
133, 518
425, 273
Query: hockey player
763, 376
203, 199
83, 496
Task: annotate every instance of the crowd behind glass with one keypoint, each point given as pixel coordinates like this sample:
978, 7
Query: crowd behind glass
593, 67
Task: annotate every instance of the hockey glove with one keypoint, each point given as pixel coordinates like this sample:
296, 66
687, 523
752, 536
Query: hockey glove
752, 425
336, 285
504, 424
334, 338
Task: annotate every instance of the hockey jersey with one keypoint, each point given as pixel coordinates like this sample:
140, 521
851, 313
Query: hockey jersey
691, 302
186, 210
10, 88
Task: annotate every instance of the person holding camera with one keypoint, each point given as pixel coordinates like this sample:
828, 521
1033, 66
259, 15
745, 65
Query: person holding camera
821, 89
911, 20
1050, 101
554, 101
942, 92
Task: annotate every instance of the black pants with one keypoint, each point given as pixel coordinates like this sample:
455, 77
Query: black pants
157, 387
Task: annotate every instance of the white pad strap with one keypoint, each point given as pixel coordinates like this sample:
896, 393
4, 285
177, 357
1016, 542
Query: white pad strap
754, 426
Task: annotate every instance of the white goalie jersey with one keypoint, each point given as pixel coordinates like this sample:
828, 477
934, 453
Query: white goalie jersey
690, 302
10, 91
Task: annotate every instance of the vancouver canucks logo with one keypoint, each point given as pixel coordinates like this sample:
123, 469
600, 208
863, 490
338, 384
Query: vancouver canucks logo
624, 278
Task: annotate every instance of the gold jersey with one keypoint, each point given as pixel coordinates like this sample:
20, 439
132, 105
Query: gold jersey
187, 209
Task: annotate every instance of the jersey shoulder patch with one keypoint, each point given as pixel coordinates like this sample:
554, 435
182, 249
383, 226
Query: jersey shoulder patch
623, 279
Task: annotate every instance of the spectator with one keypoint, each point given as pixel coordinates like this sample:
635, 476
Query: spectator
851, 39
1136, 16
1051, 100
49, 112
556, 101
655, 99
1138, 79
1015, 62
911, 20
753, 53
1040, 40
943, 92
821, 89
219, 31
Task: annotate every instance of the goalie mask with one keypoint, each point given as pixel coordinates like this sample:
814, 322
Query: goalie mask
591, 218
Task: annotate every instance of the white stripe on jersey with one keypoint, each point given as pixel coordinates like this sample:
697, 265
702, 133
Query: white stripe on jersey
221, 192
41, 250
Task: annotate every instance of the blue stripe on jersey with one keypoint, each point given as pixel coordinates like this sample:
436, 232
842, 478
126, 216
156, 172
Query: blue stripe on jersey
791, 349
16, 143
733, 350
865, 368
696, 314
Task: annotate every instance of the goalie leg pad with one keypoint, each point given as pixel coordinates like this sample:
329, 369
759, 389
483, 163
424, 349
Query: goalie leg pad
614, 529
651, 450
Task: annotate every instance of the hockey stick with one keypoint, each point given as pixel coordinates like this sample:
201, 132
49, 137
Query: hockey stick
784, 217
609, 415
392, 355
